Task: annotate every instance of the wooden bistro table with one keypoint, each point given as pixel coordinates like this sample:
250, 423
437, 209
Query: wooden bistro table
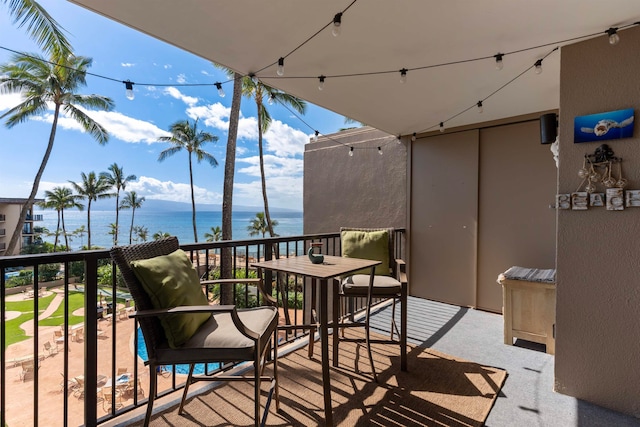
331, 268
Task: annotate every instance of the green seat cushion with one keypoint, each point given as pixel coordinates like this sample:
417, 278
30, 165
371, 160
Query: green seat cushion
171, 281
372, 245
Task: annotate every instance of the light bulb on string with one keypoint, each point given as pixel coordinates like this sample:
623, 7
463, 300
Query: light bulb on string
337, 25
315, 136
413, 137
441, 126
271, 99
280, 70
538, 66
480, 109
380, 151
221, 93
350, 151
321, 82
403, 75
614, 38
128, 86
499, 64
254, 78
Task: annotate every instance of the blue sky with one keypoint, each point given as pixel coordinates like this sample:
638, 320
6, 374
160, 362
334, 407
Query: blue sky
124, 54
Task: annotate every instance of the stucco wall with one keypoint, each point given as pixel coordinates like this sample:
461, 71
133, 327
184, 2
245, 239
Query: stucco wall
598, 295
363, 190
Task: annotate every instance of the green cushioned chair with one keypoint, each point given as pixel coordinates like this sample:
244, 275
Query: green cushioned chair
389, 282
180, 327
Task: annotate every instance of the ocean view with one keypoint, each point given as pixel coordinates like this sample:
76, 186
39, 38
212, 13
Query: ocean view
176, 223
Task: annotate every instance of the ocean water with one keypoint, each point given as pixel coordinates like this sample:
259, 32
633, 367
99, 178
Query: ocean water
176, 223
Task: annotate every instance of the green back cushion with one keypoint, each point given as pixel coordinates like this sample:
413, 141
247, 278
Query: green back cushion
367, 245
171, 281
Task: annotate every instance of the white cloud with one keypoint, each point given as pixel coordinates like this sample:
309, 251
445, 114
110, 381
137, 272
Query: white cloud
217, 116
118, 126
167, 66
127, 64
273, 166
175, 93
9, 101
284, 140
152, 188
181, 78
283, 192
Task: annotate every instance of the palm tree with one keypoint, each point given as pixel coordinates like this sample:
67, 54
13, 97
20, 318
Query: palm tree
61, 198
133, 202
187, 137
91, 188
259, 226
259, 91
42, 28
80, 232
215, 235
43, 83
141, 232
160, 235
226, 290
117, 179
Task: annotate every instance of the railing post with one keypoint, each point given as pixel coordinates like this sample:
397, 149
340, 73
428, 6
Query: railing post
268, 275
90, 340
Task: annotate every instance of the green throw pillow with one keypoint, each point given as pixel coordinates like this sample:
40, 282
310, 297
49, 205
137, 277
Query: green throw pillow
367, 245
171, 281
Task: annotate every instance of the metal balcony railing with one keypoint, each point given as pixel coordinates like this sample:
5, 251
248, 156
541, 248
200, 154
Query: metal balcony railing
3, 232
55, 376
3, 218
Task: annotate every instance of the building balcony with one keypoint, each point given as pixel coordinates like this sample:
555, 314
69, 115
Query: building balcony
3, 232
85, 338
3, 218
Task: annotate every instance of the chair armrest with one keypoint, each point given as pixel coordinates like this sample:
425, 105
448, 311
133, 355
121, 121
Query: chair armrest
401, 270
187, 309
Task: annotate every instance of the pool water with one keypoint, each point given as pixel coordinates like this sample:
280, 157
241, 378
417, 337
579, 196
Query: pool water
179, 369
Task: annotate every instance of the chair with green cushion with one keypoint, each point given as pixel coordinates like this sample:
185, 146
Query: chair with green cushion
180, 327
390, 282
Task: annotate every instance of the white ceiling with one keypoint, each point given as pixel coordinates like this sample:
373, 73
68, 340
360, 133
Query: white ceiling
385, 35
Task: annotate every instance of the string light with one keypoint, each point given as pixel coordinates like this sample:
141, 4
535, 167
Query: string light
538, 66
499, 64
403, 75
128, 86
350, 151
337, 24
221, 93
614, 38
254, 78
413, 137
280, 70
441, 126
480, 109
380, 151
315, 136
321, 82
271, 99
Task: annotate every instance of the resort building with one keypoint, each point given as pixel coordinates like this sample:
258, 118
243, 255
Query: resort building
9, 214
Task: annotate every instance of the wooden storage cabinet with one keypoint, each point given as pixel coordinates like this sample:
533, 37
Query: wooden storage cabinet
529, 311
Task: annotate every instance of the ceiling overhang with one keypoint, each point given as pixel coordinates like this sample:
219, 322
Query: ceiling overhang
378, 39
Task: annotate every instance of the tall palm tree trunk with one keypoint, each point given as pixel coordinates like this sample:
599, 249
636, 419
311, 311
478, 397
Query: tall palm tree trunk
226, 290
17, 233
55, 241
115, 237
263, 179
89, 224
193, 201
133, 214
64, 230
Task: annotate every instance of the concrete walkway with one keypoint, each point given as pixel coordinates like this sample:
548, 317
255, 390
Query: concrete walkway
27, 326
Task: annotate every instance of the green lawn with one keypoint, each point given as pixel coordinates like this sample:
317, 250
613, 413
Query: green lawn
13, 331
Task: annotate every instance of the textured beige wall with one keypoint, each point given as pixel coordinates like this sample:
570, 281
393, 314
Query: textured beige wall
12, 213
363, 190
598, 255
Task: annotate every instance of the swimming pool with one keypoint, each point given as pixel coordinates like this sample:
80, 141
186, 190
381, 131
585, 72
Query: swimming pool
179, 369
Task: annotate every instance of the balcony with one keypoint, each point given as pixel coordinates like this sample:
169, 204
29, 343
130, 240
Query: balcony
88, 337
3, 232
30, 217
3, 218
